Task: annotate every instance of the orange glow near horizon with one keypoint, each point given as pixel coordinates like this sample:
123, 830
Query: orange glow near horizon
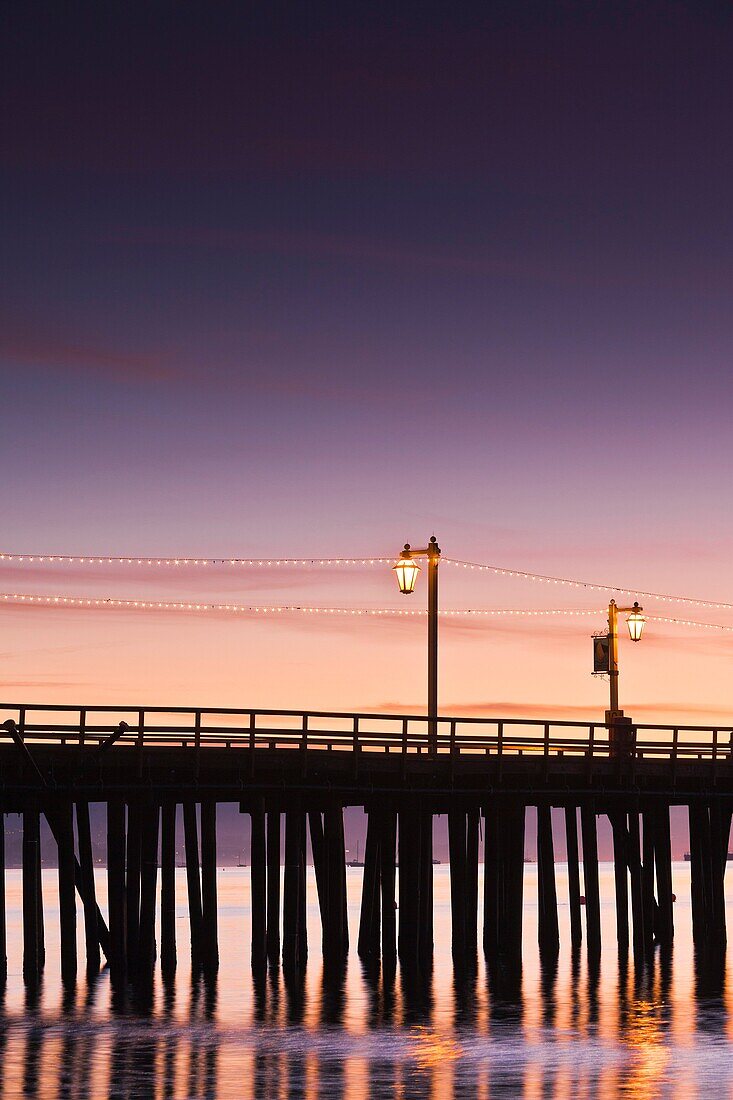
524, 667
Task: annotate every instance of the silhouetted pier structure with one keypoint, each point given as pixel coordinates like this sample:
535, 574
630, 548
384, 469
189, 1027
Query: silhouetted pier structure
303, 769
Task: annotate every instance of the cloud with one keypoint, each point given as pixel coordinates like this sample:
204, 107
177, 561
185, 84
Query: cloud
25, 349
580, 712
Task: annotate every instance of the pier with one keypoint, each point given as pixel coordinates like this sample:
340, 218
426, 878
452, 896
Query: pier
297, 771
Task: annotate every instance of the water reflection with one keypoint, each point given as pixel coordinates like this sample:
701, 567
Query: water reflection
559, 1027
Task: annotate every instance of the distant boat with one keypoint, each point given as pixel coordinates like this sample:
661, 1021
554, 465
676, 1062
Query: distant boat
355, 862
688, 857
436, 863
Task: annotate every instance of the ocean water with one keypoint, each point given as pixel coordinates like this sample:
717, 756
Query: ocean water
659, 1031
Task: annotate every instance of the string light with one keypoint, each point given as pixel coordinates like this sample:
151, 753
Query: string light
295, 563
541, 578
109, 602
254, 563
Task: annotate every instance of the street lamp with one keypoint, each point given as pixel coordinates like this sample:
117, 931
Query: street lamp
407, 571
614, 717
635, 623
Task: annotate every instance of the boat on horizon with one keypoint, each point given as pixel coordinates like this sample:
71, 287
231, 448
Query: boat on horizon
688, 857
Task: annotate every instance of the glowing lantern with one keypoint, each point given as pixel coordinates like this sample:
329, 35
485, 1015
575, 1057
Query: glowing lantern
635, 623
406, 571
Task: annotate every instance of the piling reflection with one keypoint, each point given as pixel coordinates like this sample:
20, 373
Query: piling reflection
560, 1025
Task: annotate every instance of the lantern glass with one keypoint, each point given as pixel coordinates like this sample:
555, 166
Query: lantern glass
406, 571
635, 623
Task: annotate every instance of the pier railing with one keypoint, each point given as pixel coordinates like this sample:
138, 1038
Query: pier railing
253, 729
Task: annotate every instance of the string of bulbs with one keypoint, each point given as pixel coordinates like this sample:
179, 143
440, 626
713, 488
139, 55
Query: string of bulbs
111, 603
284, 563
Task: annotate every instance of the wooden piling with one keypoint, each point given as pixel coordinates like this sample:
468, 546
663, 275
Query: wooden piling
647, 880
663, 864
504, 882
89, 893
335, 852
620, 870
208, 886
571, 843
492, 900
168, 953
387, 857
294, 945
273, 886
3, 919
717, 872
590, 879
116, 889
697, 878
457, 853
132, 884
318, 849
425, 909
193, 879
368, 945
633, 857
67, 891
408, 940
258, 865
548, 930
32, 898
150, 832
513, 878
473, 818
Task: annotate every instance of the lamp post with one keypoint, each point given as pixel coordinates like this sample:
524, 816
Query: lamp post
635, 623
407, 571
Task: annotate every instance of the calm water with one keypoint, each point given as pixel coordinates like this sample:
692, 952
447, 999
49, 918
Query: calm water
663, 1032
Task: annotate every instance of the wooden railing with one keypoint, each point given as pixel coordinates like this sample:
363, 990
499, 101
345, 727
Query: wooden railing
117, 727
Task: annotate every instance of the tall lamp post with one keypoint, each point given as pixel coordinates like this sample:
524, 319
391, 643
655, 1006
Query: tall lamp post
635, 623
407, 571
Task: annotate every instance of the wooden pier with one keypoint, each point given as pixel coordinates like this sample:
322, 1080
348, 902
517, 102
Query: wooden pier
295, 772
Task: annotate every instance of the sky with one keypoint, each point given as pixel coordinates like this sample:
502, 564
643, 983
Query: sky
313, 280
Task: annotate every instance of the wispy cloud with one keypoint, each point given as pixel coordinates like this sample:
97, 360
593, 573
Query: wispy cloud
581, 712
27, 349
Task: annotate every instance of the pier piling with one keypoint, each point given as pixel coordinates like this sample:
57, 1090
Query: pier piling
210, 956
67, 891
548, 930
33, 943
168, 952
571, 843
116, 889
590, 879
193, 880
89, 893
273, 886
258, 880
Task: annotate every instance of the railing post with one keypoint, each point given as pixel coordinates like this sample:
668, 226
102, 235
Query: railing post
356, 745
591, 745
82, 725
304, 746
404, 748
252, 728
140, 740
715, 756
452, 748
546, 750
197, 742
675, 741
500, 747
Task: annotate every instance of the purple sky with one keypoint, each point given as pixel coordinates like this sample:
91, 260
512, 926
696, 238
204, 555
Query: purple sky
315, 279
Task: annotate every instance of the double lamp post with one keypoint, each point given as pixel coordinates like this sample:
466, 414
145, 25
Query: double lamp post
407, 569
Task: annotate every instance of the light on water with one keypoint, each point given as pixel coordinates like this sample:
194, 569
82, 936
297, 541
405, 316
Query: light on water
663, 1030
